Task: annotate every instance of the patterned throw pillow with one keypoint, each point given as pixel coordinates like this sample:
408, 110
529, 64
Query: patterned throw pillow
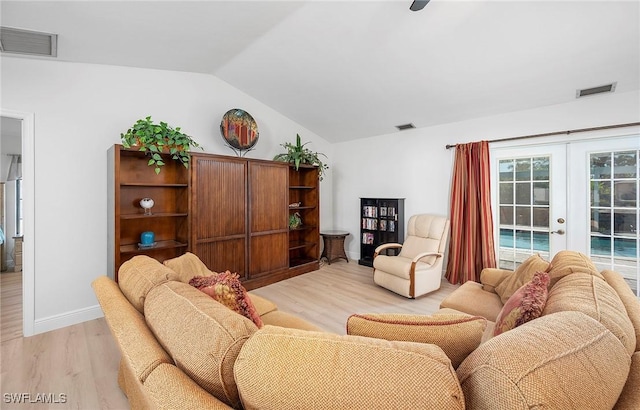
524, 305
226, 288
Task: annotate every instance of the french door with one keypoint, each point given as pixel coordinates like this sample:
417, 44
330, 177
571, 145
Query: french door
529, 202
582, 196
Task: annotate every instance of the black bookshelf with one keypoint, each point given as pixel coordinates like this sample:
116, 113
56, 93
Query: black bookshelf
381, 221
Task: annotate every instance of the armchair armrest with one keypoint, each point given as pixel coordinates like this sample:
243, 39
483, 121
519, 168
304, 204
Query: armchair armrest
492, 277
386, 246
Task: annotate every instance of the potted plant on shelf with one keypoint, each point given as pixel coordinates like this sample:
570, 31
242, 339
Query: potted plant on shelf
298, 154
159, 138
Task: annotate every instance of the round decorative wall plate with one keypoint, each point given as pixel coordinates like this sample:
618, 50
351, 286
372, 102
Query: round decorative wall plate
239, 129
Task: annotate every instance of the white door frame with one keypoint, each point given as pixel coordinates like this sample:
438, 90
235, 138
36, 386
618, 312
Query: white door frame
28, 204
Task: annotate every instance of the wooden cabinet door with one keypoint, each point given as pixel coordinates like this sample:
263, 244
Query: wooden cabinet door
219, 203
268, 218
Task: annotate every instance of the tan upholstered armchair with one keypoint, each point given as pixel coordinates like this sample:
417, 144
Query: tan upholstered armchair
418, 268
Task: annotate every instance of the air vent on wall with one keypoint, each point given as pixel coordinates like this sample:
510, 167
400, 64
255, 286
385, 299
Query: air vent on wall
13, 40
608, 88
405, 126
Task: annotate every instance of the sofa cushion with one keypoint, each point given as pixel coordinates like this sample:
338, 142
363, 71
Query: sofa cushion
312, 370
630, 397
567, 262
202, 336
628, 298
588, 294
523, 274
140, 274
562, 361
456, 334
524, 305
285, 319
187, 266
263, 306
225, 287
470, 298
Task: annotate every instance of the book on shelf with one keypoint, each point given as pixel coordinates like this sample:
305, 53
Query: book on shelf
370, 224
370, 211
367, 238
383, 211
392, 226
383, 224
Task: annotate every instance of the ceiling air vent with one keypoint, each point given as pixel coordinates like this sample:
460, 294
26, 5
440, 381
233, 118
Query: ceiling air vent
13, 40
405, 127
608, 88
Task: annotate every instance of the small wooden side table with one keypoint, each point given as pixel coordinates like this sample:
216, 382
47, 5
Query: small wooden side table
334, 245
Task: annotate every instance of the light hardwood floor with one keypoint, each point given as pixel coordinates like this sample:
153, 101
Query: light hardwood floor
81, 361
10, 305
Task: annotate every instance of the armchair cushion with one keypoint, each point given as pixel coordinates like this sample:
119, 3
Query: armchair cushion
456, 334
415, 245
397, 265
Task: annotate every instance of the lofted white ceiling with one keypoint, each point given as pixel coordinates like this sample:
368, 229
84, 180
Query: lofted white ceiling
354, 69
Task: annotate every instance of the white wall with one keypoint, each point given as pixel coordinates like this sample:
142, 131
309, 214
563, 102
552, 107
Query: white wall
80, 111
415, 165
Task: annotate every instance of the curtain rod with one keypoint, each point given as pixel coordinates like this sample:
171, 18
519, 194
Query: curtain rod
605, 127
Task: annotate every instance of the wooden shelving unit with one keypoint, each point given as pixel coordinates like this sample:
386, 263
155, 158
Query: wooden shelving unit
131, 179
304, 241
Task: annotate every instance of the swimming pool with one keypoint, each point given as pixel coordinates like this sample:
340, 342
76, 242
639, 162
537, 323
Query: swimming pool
539, 241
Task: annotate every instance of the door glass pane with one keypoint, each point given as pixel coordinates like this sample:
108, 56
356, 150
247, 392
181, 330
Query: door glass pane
615, 214
523, 193
541, 169
506, 193
524, 228
600, 193
523, 169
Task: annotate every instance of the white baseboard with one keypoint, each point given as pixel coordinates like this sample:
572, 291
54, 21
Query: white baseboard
67, 319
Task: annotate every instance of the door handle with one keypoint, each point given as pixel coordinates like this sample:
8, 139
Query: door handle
559, 232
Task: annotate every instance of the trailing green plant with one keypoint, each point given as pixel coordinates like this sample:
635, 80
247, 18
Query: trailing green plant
159, 138
295, 220
298, 154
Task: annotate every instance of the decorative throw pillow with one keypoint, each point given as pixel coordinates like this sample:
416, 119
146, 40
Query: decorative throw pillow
524, 305
226, 288
523, 274
456, 334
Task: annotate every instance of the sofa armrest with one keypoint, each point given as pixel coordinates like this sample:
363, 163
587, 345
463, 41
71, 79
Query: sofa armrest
135, 340
170, 388
492, 277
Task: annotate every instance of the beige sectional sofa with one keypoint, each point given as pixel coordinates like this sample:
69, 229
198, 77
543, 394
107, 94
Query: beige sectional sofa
182, 349
582, 353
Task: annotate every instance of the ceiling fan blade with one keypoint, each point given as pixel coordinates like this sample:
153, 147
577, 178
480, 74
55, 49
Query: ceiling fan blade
418, 5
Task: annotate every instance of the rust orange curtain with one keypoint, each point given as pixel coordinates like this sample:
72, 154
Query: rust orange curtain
471, 246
